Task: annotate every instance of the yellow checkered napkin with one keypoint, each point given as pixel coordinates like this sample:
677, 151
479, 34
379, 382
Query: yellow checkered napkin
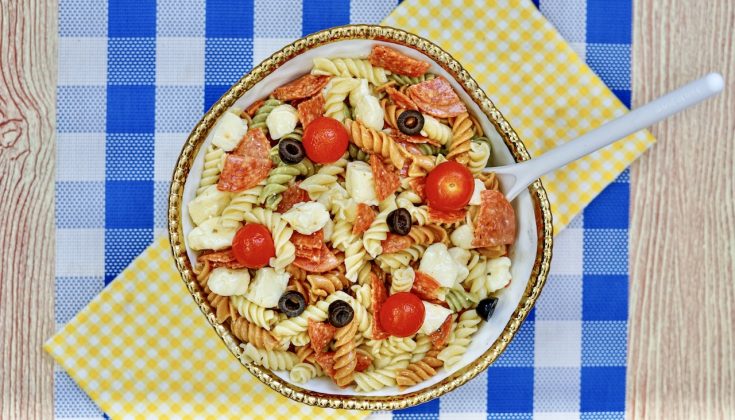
143, 348
547, 93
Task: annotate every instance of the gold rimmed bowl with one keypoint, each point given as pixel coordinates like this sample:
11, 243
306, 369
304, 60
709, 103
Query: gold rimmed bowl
530, 255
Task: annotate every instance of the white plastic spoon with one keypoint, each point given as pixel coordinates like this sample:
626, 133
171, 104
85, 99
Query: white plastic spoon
518, 176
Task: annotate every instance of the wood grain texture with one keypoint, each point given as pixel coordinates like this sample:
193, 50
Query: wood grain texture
27, 151
682, 239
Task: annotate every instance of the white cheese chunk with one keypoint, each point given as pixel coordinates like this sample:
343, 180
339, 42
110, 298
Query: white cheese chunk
369, 112
463, 236
328, 230
439, 264
307, 218
281, 121
498, 273
228, 132
461, 257
360, 183
434, 317
227, 282
267, 287
479, 187
209, 203
362, 90
211, 235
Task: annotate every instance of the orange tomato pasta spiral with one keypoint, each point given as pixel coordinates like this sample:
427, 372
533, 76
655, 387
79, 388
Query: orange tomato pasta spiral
251, 333
345, 354
462, 132
419, 371
378, 142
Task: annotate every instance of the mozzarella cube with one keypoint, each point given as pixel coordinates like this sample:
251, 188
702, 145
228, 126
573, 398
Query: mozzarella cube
463, 236
209, 203
307, 218
479, 187
461, 257
498, 273
362, 90
439, 264
434, 317
227, 282
281, 121
328, 230
360, 183
267, 287
228, 132
369, 112
211, 235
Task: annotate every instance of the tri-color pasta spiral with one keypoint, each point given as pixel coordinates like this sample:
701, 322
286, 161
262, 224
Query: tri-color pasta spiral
407, 80
478, 156
462, 133
269, 359
419, 371
316, 312
304, 372
279, 178
241, 203
334, 100
256, 314
212, 167
435, 130
250, 333
345, 354
428, 234
376, 233
261, 114
324, 179
460, 338
378, 142
350, 67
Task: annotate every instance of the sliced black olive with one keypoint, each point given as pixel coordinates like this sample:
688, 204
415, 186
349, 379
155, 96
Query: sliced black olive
399, 222
410, 122
486, 307
292, 303
291, 151
340, 313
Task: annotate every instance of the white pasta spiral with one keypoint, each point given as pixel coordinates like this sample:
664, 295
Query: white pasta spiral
377, 232
350, 67
334, 97
212, 167
281, 232
241, 203
304, 372
324, 179
459, 338
317, 312
269, 359
342, 235
395, 260
476, 279
423, 345
255, 314
356, 259
478, 157
373, 380
435, 130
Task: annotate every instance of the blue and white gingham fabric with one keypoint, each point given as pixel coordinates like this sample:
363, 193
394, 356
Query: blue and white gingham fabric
136, 75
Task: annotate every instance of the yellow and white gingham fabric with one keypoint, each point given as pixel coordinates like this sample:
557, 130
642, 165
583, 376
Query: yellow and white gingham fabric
547, 93
143, 348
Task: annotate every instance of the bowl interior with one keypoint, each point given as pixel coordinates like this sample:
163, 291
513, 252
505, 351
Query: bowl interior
523, 254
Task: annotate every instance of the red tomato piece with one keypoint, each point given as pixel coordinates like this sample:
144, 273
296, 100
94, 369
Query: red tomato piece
379, 295
327, 261
439, 337
386, 178
320, 334
495, 222
363, 361
364, 218
253, 245
325, 140
449, 186
402, 314
425, 286
292, 196
395, 243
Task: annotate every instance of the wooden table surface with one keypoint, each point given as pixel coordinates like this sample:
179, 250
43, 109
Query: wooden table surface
681, 361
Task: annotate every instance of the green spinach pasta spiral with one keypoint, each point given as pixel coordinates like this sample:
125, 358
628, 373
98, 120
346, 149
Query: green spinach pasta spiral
278, 181
262, 113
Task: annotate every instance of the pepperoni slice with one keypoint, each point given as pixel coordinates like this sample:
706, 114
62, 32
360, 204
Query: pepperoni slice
242, 172
395, 243
313, 241
223, 258
405, 138
386, 179
363, 361
379, 295
441, 216
255, 145
364, 218
326, 361
400, 99
436, 97
303, 87
311, 109
425, 286
397, 62
495, 223
439, 337
327, 261
292, 196
253, 108
320, 334
418, 185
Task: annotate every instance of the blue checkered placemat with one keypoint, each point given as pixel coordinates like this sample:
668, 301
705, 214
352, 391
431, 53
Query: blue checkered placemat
136, 75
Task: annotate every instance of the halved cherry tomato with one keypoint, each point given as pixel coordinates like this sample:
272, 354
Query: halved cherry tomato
253, 245
325, 140
449, 186
402, 314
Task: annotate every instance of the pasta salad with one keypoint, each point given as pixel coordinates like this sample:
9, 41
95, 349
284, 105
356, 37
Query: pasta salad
344, 226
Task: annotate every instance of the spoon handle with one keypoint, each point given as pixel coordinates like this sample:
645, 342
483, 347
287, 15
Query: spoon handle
671, 103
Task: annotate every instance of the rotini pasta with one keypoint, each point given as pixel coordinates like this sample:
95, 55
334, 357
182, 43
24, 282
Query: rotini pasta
428, 234
378, 142
458, 299
478, 156
407, 80
240, 204
256, 314
376, 233
212, 168
334, 100
345, 354
251, 333
324, 179
459, 339
278, 180
350, 67
395, 260
462, 133
269, 359
401, 280
323, 285
258, 120
304, 372
317, 312
435, 130
419, 371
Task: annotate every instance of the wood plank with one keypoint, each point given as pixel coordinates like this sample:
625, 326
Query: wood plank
682, 239
27, 153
